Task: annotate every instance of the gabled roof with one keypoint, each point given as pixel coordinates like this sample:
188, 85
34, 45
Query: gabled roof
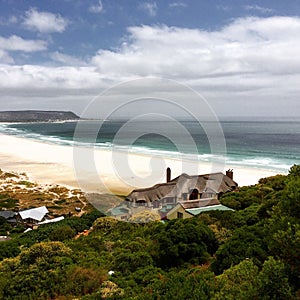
178, 205
195, 204
196, 208
34, 213
209, 183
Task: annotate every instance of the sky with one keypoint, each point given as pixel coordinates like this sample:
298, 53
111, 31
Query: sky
241, 56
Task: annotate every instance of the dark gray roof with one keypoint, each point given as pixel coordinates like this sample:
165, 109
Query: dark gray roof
7, 214
210, 183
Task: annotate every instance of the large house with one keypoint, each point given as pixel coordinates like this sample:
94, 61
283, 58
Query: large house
183, 188
184, 196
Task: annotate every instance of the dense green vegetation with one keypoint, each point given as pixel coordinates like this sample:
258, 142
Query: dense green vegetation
250, 253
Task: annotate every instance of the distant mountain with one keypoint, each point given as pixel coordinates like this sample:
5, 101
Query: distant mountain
36, 116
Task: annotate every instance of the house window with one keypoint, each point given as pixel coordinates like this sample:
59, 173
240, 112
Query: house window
209, 195
194, 194
169, 200
184, 196
179, 215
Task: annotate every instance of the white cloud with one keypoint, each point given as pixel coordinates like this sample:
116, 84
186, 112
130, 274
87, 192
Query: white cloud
48, 81
44, 22
251, 60
177, 4
259, 8
97, 8
149, 7
250, 57
66, 59
250, 45
224, 7
9, 20
12, 20
16, 43
5, 58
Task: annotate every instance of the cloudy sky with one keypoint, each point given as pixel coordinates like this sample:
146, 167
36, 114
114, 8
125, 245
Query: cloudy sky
242, 56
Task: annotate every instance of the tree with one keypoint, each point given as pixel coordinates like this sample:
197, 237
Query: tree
294, 171
284, 244
45, 253
246, 242
238, 282
127, 261
273, 281
185, 241
195, 283
291, 198
105, 224
62, 233
38, 272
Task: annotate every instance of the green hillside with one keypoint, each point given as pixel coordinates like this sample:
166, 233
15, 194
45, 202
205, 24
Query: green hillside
249, 253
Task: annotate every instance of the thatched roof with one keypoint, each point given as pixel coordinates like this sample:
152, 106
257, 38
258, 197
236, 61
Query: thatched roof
210, 183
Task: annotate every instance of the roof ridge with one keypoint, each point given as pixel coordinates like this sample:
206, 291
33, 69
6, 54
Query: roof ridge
153, 186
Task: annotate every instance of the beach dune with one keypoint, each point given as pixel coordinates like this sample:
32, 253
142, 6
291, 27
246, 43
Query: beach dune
113, 172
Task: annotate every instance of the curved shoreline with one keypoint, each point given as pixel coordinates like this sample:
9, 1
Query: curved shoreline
49, 163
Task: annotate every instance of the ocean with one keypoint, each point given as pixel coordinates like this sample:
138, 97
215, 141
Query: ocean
265, 144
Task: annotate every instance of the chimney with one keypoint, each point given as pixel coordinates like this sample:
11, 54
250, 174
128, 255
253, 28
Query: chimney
229, 173
168, 174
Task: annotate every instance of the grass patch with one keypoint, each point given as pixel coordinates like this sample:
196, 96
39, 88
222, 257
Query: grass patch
7, 202
61, 201
59, 190
5, 175
26, 183
55, 207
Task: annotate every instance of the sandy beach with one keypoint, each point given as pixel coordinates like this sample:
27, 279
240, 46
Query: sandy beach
102, 171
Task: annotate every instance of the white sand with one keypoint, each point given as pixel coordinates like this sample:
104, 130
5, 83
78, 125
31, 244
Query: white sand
54, 164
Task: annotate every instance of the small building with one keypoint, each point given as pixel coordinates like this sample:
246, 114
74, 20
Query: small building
9, 216
33, 216
189, 209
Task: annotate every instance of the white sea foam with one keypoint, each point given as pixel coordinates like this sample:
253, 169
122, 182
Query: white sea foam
253, 158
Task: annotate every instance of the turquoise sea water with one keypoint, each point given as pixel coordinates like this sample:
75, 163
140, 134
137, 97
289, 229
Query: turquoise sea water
273, 145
